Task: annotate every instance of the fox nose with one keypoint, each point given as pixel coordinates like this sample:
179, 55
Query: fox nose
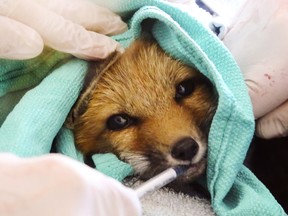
185, 149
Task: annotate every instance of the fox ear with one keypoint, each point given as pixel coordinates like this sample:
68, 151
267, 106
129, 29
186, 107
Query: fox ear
95, 70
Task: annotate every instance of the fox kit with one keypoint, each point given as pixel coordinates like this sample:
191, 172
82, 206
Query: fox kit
151, 110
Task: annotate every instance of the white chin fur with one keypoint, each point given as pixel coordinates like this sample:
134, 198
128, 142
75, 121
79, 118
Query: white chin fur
139, 162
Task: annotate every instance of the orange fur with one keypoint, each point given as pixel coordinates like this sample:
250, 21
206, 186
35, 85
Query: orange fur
142, 84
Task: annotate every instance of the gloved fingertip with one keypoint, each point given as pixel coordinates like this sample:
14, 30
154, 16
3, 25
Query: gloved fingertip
100, 50
28, 52
260, 131
33, 49
120, 49
20, 41
268, 128
118, 26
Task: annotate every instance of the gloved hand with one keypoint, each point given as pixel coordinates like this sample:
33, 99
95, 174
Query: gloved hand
258, 41
57, 185
65, 25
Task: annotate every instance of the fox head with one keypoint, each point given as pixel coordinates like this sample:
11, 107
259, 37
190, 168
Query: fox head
151, 110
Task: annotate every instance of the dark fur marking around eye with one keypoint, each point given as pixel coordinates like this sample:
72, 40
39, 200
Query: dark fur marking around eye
187, 87
120, 121
184, 89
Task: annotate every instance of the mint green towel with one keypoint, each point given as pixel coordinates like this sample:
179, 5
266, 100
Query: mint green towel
38, 116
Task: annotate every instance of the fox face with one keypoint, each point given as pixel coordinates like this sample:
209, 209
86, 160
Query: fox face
151, 110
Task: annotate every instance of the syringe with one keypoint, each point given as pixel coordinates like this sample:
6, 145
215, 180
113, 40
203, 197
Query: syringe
160, 180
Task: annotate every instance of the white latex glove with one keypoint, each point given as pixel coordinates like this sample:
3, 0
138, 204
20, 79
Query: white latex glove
259, 42
65, 25
57, 185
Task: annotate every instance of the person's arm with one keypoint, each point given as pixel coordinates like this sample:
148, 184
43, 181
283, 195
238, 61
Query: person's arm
258, 42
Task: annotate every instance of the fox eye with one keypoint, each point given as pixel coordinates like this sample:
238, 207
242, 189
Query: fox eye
119, 122
184, 89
